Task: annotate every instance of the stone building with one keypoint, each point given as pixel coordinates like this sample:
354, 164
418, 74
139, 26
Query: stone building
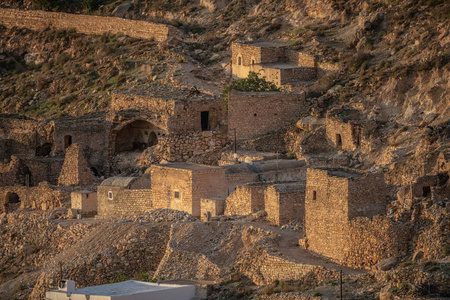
85, 202
333, 198
124, 196
347, 129
285, 202
272, 60
251, 114
182, 186
213, 206
75, 170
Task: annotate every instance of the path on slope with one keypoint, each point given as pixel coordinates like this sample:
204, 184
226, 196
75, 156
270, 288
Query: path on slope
288, 247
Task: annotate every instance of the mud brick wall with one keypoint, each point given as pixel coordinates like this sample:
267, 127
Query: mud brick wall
42, 197
75, 170
285, 203
36, 20
254, 114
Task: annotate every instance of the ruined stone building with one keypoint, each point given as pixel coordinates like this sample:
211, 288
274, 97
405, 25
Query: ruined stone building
251, 114
84, 202
347, 130
272, 60
333, 198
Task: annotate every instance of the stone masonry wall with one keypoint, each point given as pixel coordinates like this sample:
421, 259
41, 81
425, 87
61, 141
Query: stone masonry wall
8, 171
36, 20
42, 197
371, 241
149, 103
285, 203
245, 200
345, 130
254, 114
207, 183
367, 197
181, 147
75, 170
165, 182
326, 217
125, 201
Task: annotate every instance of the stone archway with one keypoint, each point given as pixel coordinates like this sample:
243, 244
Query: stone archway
136, 135
12, 202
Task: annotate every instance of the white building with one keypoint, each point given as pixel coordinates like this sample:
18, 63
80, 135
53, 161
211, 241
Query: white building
127, 290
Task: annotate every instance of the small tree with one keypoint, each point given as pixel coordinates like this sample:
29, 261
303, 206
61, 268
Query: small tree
250, 84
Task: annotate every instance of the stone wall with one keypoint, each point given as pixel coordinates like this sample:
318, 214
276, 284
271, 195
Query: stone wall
91, 132
44, 169
9, 172
84, 201
42, 197
245, 199
173, 115
342, 135
253, 114
125, 201
285, 203
215, 206
373, 240
75, 170
37, 20
301, 59
333, 198
182, 186
181, 147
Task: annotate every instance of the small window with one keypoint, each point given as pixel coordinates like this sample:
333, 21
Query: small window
239, 60
176, 195
204, 120
338, 141
110, 195
254, 115
314, 195
253, 61
426, 191
67, 141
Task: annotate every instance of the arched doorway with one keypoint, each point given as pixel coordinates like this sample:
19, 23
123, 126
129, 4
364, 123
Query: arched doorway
44, 150
136, 136
12, 202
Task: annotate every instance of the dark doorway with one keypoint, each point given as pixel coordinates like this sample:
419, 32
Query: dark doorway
338, 140
44, 150
12, 202
95, 171
426, 191
67, 141
205, 120
152, 139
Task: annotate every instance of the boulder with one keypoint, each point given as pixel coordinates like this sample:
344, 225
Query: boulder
386, 264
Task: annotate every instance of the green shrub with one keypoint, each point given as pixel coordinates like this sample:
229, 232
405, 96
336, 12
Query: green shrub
250, 84
91, 5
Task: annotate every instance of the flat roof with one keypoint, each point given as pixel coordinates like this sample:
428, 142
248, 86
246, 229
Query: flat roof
275, 43
186, 166
343, 172
290, 187
279, 65
130, 287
